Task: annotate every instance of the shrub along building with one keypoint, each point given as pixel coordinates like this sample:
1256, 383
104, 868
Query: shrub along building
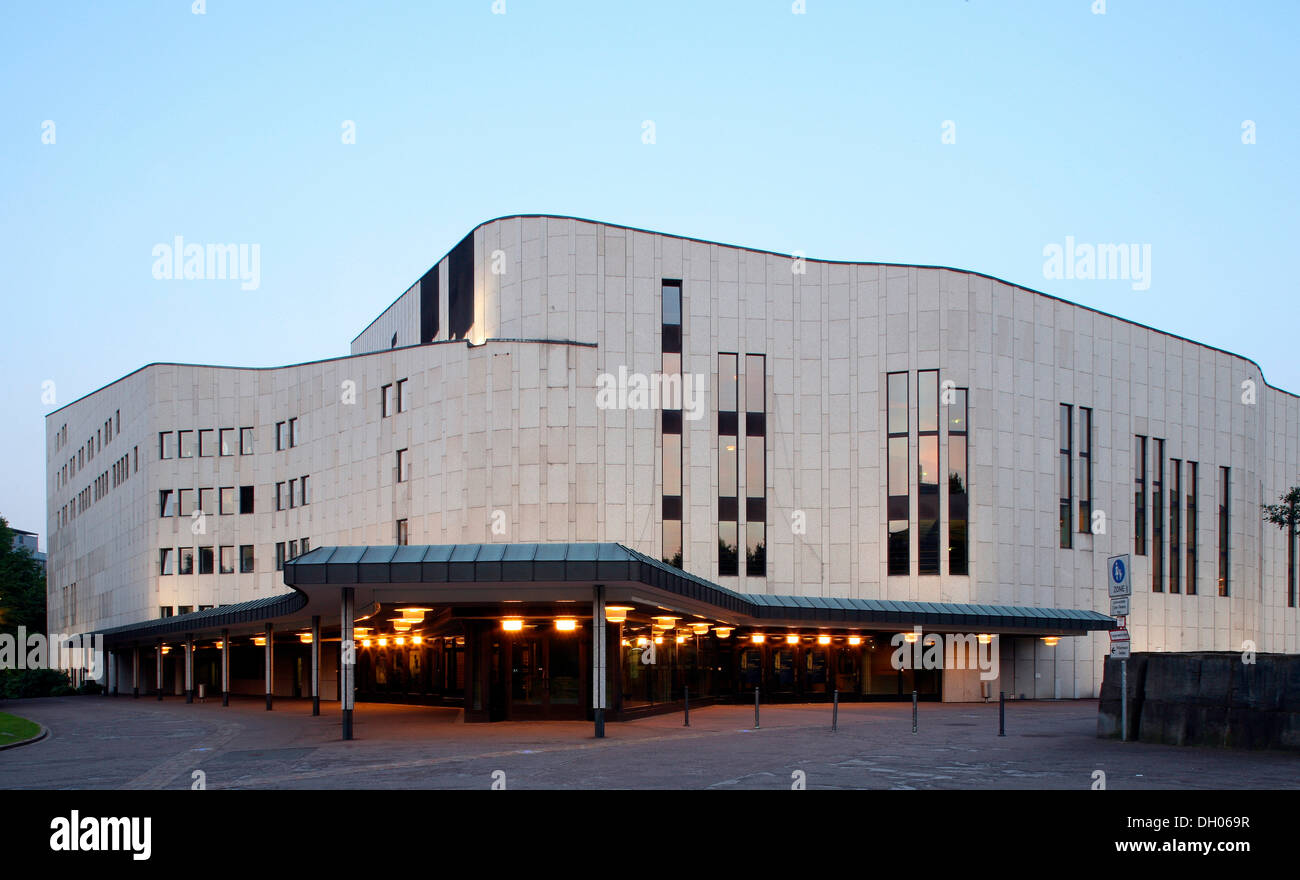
487, 496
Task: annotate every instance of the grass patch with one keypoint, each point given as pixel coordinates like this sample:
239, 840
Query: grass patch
14, 729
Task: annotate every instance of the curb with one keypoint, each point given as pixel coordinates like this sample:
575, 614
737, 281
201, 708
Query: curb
26, 742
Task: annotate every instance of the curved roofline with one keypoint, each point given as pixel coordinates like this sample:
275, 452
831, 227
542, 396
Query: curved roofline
343, 357
738, 247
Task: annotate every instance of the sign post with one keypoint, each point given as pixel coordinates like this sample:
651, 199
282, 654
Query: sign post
1120, 588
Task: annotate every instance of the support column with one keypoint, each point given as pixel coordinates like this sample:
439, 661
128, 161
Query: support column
599, 658
135, 672
225, 667
270, 664
158, 656
348, 660
315, 664
189, 668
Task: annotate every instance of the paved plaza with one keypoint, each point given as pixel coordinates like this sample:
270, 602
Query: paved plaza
112, 743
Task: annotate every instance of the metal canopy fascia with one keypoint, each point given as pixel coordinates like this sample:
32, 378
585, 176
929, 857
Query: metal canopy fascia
462, 573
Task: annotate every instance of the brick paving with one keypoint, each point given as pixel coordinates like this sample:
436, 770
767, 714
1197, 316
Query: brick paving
113, 743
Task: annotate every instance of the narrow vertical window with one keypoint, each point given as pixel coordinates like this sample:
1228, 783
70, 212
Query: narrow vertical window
756, 465
401, 465
1175, 525
1192, 486
402, 534
1158, 518
245, 558
927, 471
671, 424
1066, 472
386, 398
279, 556
294, 435
728, 468
1224, 475
165, 557
245, 441
958, 485
1139, 495
899, 467
281, 437
403, 396
1085, 469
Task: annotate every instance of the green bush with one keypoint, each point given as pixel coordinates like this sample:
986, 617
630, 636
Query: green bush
63, 690
90, 687
17, 684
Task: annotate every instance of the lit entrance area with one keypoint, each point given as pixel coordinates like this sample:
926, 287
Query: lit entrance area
554, 631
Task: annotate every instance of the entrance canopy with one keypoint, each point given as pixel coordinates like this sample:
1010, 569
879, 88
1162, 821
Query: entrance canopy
510, 578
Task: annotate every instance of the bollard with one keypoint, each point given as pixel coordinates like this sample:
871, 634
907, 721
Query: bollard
835, 710
1002, 713
686, 700
756, 707
913, 711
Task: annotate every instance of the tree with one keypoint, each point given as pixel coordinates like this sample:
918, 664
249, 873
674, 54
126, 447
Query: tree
22, 586
1286, 515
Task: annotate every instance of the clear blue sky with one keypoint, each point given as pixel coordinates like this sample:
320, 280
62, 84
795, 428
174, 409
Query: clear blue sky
818, 132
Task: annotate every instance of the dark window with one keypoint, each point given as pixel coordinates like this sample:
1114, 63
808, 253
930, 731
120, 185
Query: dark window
460, 289
279, 496
927, 471
205, 560
1139, 495
671, 426
1066, 472
166, 611
292, 494
755, 465
294, 435
428, 306
246, 563
187, 560
1175, 524
279, 556
958, 485
1085, 469
1191, 528
728, 468
245, 499
1224, 494
1158, 519
898, 505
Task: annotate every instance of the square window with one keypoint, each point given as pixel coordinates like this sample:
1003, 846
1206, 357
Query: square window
185, 502
245, 558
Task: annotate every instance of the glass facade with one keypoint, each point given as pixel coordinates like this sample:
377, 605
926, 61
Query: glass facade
755, 465
927, 471
671, 425
1066, 473
728, 467
897, 479
958, 485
